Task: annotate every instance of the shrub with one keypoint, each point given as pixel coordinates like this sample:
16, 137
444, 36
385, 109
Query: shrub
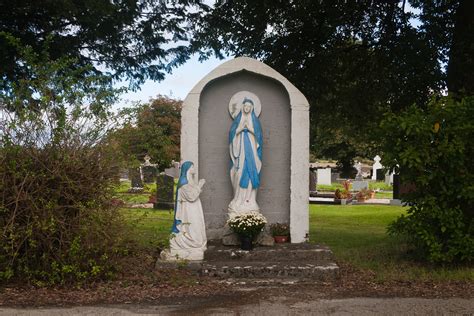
432, 150
58, 222
57, 219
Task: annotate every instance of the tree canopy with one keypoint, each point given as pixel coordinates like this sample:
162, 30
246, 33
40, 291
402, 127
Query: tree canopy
354, 60
133, 40
150, 129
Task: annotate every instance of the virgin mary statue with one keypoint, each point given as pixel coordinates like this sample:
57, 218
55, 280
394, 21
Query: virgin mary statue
245, 146
188, 239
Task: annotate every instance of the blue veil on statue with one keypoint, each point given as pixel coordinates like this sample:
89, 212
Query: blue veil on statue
250, 172
183, 179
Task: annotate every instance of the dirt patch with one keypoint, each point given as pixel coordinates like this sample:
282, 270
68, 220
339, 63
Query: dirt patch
141, 283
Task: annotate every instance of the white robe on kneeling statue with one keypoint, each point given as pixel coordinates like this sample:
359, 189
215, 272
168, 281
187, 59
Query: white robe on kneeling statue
190, 242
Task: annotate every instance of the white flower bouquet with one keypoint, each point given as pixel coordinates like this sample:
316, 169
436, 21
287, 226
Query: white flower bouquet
247, 224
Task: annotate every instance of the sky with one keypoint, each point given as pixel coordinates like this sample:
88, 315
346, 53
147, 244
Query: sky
175, 85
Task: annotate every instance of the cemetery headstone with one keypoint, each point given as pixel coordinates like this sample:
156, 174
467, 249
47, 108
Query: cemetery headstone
359, 185
376, 166
135, 177
149, 174
124, 174
324, 176
164, 192
380, 175
216, 106
396, 186
149, 170
312, 181
400, 189
174, 170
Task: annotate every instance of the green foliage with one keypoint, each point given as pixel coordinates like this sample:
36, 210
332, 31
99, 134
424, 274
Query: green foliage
57, 223
432, 149
150, 129
135, 40
353, 60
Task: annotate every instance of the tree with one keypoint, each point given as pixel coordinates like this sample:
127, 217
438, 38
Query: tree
354, 60
134, 40
449, 25
150, 129
432, 151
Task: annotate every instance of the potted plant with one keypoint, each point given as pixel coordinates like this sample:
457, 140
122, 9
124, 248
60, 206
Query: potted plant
345, 194
247, 226
363, 195
280, 232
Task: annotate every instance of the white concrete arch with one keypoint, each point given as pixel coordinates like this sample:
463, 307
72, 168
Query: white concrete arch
299, 186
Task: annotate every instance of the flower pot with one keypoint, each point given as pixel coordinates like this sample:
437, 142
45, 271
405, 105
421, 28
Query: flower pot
280, 239
246, 242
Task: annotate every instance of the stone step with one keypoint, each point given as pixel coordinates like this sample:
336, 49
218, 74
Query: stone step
283, 262
259, 270
308, 253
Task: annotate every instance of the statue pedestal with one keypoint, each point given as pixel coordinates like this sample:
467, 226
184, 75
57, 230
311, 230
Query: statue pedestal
359, 185
182, 254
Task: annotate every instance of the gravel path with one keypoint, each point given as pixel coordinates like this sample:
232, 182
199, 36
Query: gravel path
276, 306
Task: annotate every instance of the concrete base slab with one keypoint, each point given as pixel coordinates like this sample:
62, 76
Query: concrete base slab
282, 262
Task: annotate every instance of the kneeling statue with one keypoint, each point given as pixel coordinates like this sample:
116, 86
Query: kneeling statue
188, 235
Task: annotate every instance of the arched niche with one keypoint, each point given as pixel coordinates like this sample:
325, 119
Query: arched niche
283, 196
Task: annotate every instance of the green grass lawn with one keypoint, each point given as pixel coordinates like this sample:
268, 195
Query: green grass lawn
380, 185
139, 198
150, 228
384, 195
125, 185
357, 235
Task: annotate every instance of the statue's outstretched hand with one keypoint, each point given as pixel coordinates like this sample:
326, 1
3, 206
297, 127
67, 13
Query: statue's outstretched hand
202, 182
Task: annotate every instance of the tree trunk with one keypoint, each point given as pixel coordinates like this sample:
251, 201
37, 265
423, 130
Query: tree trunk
461, 56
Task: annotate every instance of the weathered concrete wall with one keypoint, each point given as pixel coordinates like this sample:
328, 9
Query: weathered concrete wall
299, 151
273, 196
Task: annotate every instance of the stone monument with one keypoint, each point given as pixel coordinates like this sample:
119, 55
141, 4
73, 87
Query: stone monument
279, 155
313, 181
359, 182
136, 178
324, 176
148, 170
164, 192
376, 166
